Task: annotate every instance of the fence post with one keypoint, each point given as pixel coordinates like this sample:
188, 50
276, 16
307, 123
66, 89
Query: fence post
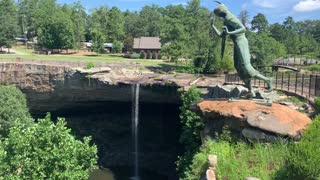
289, 81
302, 84
296, 84
276, 80
310, 85
282, 81
315, 85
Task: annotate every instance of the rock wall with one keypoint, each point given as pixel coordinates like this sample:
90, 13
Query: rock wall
52, 87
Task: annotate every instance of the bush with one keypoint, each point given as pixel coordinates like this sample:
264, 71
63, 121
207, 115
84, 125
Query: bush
317, 104
117, 47
13, 109
149, 55
191, 126
90, 65
314, 67
304, 158
199, 62
142, 55
154, 55
135, 56
46, 151
240, 160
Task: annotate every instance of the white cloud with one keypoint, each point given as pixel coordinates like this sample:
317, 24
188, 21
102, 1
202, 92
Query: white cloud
264, 3
273, 3
307, 5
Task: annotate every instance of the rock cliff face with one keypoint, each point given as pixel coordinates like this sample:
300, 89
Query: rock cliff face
253, 120
52, 87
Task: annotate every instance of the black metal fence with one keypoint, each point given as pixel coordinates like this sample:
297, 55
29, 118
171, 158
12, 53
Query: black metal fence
307, 85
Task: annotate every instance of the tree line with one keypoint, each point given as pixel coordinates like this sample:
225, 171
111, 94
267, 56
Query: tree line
185, 31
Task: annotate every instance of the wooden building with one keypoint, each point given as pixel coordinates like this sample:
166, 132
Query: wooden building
146, 44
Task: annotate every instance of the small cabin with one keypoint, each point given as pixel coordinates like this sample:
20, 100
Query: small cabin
146, 44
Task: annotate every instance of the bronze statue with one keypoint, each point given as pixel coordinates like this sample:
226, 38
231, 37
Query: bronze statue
236, 30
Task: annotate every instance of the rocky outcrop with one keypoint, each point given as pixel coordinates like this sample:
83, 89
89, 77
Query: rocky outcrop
50, 86
246, 116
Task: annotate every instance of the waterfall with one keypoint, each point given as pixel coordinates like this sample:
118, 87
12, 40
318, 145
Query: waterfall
135, 127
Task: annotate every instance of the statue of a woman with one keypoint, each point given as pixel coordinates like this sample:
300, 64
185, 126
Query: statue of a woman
236, 30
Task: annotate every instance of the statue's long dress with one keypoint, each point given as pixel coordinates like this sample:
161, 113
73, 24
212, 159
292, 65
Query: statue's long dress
242, 57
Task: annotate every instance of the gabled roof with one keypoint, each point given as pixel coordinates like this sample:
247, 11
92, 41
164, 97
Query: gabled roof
147, 43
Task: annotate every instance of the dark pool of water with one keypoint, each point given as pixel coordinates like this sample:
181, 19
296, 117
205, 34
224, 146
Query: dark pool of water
109, 124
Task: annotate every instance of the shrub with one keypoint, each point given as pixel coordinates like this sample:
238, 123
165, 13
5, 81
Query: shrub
314, 67
149, 55
317, 104
191, 126
90, 65
239, 160
46, 151
159, 56
117, 47
304, 158
199, 62
13, 109
154, 55
142, 55
135, 56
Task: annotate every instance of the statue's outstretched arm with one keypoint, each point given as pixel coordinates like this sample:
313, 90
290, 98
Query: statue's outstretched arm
215, 28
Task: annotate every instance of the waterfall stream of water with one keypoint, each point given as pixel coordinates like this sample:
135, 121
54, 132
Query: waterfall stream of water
135, 128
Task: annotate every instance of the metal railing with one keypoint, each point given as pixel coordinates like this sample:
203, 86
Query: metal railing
306, 85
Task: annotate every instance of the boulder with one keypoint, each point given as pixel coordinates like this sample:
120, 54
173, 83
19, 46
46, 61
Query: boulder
277, 119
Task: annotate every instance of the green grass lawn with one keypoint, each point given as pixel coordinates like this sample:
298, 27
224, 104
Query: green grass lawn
23, 53
101, 58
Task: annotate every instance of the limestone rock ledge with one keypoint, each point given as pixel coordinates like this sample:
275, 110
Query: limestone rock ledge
242, 115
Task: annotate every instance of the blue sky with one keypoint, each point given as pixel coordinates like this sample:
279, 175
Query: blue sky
275, 10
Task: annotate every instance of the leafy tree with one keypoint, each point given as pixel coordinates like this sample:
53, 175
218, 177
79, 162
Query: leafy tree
98, 19
264, 49
98, 40
78, 17
8, 23
27, 16
57, 32
115, 25
149, 21
54, 28
13, 109
278, 32
289, 23
259, 23
46, 151
117, 47
174, 36
133, 26
128, 44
